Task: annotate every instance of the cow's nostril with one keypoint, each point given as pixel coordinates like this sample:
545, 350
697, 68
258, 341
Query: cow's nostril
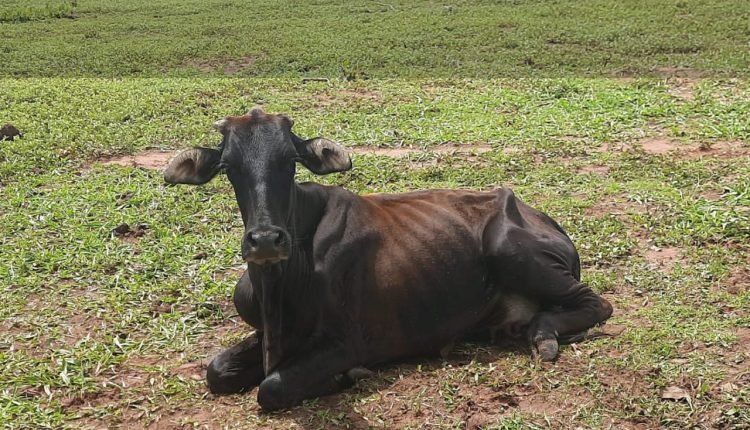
252, 240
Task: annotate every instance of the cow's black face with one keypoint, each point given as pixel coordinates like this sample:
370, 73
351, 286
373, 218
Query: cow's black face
258, 153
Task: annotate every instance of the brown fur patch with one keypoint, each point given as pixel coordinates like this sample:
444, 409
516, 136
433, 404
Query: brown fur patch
257, 117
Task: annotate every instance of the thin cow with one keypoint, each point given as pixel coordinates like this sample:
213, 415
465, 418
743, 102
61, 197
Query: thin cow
337, 282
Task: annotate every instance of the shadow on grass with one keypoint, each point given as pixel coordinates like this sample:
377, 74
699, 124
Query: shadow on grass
351, 407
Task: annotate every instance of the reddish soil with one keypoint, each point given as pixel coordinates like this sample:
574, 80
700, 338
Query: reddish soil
336, 97
595, 170
443, 149
663, 257
361, 94
679, 72
713, 195
738, 281
660, 145
150, 159
684, 89
156, 159
618, 207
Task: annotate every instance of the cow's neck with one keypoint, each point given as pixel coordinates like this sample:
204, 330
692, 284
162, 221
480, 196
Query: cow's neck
284, 288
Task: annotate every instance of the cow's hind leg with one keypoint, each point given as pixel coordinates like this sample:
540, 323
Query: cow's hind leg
547, 273
577, 308
240, 367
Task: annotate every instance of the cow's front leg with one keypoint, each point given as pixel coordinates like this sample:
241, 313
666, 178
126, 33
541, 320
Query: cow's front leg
313, 374
238, 368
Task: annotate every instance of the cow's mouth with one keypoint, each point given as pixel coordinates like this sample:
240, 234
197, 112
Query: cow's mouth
267, 260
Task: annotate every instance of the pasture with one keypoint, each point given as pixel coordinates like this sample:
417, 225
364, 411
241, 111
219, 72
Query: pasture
636, 138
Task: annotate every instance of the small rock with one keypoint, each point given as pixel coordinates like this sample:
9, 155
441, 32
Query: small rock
140, 230
121, 230
477, 421
124, 230
729, 387
674, 393
9, 132
200, 256
159, 307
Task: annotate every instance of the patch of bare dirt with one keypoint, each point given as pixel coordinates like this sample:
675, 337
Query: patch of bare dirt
332, 98
150, 159
617, 207
324, 99
442, 149
125, 232
679, 72
157, 159
623, 74
659, 145
193, 370
738, 281
713, 195
723, 149
230, 66
684, 89
232, 274
663, 257
743, 337
79, 326
595, 170
361, 94
415, 399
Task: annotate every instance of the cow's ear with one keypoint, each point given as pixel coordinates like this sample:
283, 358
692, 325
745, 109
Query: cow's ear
323, 156
194, 166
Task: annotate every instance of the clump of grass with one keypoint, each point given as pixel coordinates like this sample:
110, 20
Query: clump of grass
64, 9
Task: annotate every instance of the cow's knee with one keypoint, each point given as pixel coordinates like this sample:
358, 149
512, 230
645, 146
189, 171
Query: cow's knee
218, 377
236, 369
605, 309
271, 393
223, 377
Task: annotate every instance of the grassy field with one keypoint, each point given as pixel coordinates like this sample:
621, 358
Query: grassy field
630, 129
361, 39
655, 189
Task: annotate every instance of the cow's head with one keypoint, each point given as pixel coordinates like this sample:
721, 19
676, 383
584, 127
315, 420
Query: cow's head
258, 154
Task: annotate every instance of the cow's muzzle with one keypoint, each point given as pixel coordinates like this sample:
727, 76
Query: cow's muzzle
265, 245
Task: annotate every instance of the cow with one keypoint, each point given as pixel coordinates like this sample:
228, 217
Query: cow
338, 282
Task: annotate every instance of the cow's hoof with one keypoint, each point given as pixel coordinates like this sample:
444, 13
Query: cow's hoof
271, 393
546, 349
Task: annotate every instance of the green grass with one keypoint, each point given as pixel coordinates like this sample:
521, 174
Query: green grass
369, 39
95, 328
